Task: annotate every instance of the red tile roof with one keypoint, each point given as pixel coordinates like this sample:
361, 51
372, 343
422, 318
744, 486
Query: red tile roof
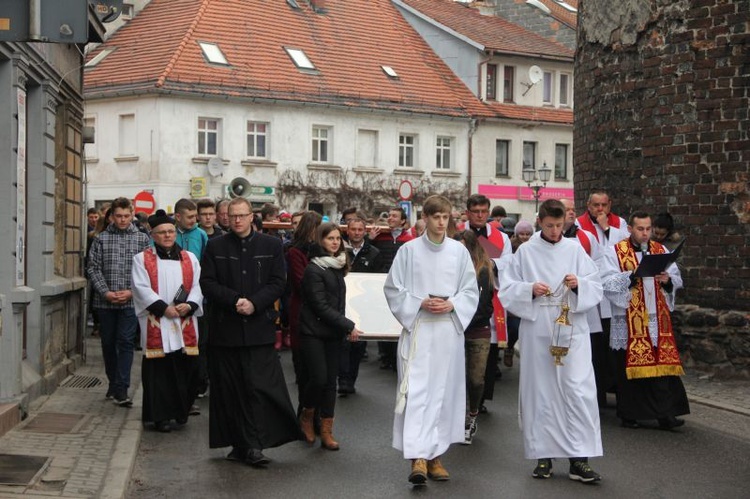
158, 51
494, 33
530, 113
561, 13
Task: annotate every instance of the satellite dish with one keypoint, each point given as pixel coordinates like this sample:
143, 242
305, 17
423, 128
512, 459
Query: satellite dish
535, 74
215, 167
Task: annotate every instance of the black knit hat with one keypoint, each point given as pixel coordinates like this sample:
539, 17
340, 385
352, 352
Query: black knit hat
158, 218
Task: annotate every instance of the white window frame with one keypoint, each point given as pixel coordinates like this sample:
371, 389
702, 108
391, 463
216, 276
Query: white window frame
404, 148
213, 53
90, 150
321, 144
128, 10
565, 160
300, 59
506, 171
444, 152
512, 84
204, 133
125, 135
532, 147
564, 95
548, 88
255, 136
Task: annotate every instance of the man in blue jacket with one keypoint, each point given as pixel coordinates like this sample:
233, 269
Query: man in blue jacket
190, 236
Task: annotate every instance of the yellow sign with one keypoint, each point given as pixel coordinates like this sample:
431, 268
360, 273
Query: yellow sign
198, 187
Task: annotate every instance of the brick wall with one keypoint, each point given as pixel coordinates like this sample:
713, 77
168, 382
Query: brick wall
661, 120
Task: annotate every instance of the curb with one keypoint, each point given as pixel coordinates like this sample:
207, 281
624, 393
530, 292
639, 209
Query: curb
718, 405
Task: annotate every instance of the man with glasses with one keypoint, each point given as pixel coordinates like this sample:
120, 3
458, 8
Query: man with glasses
242, 275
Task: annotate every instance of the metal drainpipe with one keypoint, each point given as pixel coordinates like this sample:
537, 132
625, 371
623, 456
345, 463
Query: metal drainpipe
35, 19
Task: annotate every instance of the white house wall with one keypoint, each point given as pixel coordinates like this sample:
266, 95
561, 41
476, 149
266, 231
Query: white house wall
483, 154
167, 152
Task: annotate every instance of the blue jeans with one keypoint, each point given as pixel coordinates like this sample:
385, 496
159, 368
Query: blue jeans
117, 331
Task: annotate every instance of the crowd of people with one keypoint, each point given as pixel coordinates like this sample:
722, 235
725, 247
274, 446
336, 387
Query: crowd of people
209, 296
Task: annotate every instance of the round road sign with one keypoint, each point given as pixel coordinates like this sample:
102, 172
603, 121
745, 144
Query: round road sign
144, 202
405, 190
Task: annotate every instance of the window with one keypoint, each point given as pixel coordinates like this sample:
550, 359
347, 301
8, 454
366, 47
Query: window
321, 137
127, 10
508, 83
443, 156
90, 149
407, 150
98, 58
208, 136
564, 89
213, 53
257, 139
491, 81
502, 148
561, 161
390, 72
300, 59
367, 148
547, 91
529, 155
126, 129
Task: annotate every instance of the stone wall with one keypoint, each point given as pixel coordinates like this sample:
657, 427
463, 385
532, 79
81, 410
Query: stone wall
713, 341
661, 121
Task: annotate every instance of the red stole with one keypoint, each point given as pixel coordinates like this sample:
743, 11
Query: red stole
587, 224
154, 345
642, 360
584, 240
498, 316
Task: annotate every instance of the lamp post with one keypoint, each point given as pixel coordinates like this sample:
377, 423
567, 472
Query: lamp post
530, 175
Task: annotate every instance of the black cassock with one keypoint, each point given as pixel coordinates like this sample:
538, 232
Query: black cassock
168, 386
249, 402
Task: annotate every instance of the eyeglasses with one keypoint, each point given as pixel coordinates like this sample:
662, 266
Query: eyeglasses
240, 216
164, 232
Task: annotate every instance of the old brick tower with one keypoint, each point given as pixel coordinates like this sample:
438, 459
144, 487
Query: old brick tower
662, 91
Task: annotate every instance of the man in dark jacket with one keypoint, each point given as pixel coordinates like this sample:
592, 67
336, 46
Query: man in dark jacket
364, 257
242, 276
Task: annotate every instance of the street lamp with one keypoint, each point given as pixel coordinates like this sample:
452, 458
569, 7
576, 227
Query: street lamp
530, 175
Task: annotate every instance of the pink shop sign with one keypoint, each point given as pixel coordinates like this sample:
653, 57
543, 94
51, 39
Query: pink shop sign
523, 193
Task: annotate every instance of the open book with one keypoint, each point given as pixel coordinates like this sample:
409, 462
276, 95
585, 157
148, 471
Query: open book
652, 265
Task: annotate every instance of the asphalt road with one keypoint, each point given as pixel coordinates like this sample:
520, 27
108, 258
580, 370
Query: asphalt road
708, 458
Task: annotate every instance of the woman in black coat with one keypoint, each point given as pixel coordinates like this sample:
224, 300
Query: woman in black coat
323, 326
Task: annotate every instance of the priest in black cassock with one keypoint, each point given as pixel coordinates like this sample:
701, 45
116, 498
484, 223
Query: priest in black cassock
243, 274
167, 299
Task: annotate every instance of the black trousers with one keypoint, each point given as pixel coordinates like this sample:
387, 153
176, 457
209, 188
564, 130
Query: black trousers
321, 358
351, 356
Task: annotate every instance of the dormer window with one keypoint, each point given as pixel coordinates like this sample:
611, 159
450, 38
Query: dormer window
213, 53
99, 57
300, 59
390, 72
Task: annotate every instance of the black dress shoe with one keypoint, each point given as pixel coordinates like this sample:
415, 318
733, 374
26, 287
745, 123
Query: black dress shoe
163, 426
256, 458
630, 423
237, 454
670, 422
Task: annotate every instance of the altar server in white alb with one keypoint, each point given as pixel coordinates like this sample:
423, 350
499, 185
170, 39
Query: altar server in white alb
551, 283
432, 291
167, 299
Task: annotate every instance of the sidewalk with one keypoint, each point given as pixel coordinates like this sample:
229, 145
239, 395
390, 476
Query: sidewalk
95, 455
93, 449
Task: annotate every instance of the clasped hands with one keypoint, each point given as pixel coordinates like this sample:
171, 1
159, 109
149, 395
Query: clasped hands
437, 305
245, 307
542, 288
176, 311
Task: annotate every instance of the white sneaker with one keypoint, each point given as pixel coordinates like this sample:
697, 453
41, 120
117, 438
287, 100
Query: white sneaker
471, 424
467, 435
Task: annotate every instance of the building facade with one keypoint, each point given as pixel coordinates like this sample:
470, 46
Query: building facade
42, 288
